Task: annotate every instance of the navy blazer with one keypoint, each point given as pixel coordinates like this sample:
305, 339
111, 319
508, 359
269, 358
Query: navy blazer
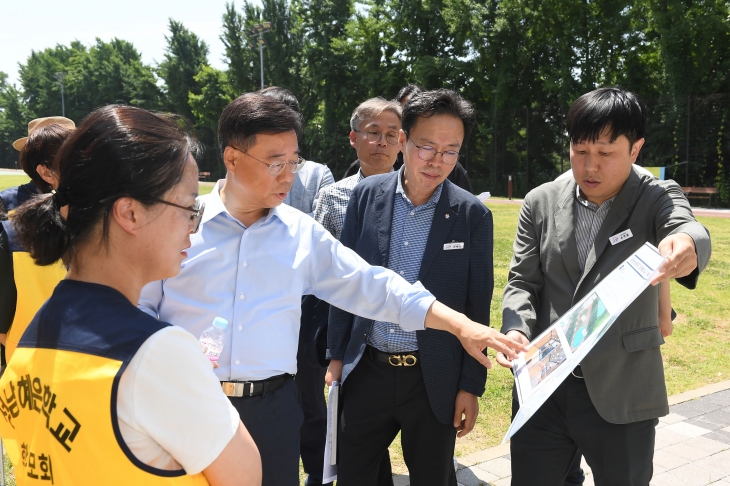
462, 279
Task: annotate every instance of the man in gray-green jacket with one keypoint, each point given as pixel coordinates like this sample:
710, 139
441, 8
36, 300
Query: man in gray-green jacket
608, 407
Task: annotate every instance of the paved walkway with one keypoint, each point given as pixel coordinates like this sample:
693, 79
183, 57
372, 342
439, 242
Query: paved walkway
11, 172
692, 446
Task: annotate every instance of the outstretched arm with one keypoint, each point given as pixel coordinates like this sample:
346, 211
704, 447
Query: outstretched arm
474, 337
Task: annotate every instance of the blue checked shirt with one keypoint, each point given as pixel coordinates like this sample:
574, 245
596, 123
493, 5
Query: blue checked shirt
408, 238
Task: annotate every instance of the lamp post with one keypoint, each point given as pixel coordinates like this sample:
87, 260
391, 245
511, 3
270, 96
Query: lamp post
257, 31
60, 77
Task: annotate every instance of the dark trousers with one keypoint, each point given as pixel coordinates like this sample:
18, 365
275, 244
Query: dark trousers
545, 449
575, 476
311, 368
273, 420
310, 388
378, 401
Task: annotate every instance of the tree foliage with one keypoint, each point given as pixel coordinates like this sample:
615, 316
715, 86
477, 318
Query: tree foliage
520, 62
12, 117
186, 55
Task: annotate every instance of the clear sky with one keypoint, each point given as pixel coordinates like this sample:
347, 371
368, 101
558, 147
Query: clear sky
26, 26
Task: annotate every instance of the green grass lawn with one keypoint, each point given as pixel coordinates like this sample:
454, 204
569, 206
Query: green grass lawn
695, 355
11, 181
7, 181
205, 188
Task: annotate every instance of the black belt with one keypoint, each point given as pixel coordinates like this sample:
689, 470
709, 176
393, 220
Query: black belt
252, 388
403, 359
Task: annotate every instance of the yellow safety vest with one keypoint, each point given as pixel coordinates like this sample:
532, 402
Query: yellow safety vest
34, 284
58, 396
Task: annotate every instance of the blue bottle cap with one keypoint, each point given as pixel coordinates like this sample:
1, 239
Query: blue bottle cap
220, 323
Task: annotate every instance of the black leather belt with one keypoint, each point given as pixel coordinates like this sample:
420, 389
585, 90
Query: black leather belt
242, 389
403, 359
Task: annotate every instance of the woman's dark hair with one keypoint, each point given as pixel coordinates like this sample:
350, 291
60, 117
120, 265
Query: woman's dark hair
437, 102
408, 91
40, 149
611, 110
117, 151
284, 95
251, 114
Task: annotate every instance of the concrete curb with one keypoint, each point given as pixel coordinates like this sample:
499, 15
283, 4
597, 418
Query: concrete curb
503, 449
699, 392
483, 455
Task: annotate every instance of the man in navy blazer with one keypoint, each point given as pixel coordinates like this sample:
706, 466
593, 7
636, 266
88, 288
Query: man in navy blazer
422, 226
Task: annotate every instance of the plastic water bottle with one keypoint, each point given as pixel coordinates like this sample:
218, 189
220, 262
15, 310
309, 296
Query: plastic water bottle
214, 338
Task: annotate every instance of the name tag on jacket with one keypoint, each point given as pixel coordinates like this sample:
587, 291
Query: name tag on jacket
454, 246
619, 237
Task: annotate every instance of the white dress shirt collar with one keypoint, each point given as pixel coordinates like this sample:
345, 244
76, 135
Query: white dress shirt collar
214, 206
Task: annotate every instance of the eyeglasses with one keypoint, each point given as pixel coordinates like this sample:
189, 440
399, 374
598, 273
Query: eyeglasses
278, 166
196, 211
426, 153
374, 136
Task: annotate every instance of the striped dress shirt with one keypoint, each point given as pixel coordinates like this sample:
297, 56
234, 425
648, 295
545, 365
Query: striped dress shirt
588, 220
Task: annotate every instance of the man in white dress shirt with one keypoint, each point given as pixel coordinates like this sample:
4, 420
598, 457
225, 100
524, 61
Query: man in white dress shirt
310, 181
252, 261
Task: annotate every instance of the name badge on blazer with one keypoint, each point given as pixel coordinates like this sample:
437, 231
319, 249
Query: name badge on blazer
454, 246
619, 237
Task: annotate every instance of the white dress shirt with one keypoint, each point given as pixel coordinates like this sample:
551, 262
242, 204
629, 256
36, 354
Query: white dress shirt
255, 278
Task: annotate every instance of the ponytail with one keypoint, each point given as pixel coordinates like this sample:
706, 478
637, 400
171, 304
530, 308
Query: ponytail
117, 151
42, 229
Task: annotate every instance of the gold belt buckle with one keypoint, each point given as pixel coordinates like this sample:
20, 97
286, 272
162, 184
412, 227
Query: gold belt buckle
402, 360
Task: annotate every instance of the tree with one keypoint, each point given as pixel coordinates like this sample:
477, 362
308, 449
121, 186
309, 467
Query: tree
242, 60
216, 93
185, 57
41, 91
112, 72
520, 62
694, 43
14, 120
330, 73
107, 72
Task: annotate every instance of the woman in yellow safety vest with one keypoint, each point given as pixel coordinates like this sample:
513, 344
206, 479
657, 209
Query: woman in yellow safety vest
25, 286
98, 392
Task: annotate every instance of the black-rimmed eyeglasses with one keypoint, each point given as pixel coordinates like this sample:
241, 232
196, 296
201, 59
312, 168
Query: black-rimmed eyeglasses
276, 167
426, 153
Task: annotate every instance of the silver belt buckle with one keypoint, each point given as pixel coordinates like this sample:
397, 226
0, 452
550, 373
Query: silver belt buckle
231, 389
